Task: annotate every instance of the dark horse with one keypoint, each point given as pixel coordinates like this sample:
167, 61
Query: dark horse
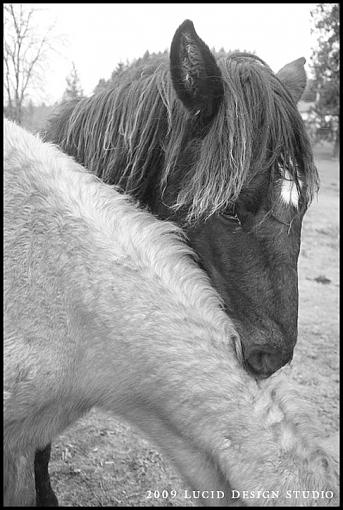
218, 146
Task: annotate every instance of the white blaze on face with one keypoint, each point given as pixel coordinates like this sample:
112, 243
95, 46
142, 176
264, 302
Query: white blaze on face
289, 192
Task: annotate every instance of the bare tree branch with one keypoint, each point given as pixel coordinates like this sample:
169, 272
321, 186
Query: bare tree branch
24, 52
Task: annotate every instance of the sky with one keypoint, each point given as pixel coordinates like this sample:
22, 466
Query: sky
96, 37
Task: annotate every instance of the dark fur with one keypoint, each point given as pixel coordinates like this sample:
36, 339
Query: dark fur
44, 493
206, 142
133, 134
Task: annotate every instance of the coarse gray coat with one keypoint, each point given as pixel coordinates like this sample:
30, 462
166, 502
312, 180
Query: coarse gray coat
105, 306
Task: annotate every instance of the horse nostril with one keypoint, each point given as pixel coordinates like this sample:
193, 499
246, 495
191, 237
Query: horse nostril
263, 363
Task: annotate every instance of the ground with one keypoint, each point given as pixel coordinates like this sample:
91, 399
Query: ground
103, 462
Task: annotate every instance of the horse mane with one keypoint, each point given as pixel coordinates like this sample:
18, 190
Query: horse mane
158, 246
124, 134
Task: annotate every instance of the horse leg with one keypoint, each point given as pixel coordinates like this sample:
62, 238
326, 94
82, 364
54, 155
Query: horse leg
45, 496
19, 489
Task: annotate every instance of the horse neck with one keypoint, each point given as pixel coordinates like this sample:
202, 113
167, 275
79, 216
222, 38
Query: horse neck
114, 265
138, 345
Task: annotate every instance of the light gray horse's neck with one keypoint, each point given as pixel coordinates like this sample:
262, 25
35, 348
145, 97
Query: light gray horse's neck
104, 311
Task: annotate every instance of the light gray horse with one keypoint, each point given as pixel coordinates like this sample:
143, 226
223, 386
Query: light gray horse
105, 306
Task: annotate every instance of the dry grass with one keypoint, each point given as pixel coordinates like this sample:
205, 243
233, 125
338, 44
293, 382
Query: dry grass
102, 462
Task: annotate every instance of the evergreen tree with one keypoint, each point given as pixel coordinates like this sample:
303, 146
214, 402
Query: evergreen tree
101, 85
325, 64
120, 68
73, 90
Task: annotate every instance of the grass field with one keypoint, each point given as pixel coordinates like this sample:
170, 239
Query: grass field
103, 462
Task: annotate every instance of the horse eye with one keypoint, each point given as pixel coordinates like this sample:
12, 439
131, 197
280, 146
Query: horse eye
231, 214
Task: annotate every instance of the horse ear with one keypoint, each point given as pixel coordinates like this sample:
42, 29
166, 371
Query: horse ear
195, 75
293, 76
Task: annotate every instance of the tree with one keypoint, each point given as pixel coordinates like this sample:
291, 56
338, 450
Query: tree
101, 86
35, 117
118, 71
24, 53
325, 65
74, 89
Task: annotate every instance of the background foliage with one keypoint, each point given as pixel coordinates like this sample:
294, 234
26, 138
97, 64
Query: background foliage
324, 117
25, 50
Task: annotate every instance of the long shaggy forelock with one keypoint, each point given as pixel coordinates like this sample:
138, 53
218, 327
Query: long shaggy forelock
258, 128
126, 133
